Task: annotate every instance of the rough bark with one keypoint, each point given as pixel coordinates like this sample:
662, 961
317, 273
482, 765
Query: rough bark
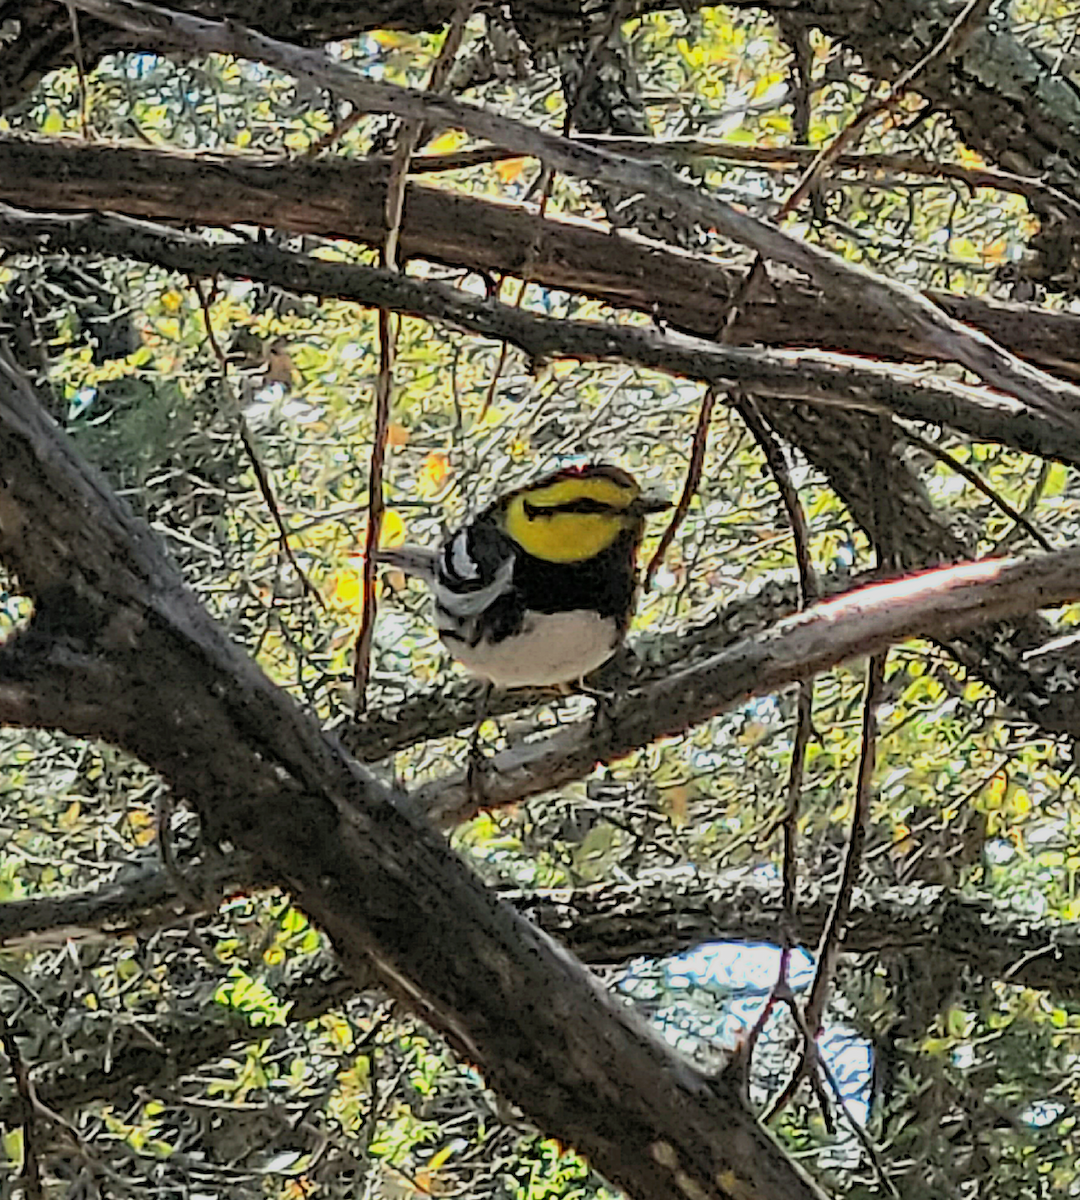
120, 649
951, 339
663, 913
1040, 686
1006, 101
334, 198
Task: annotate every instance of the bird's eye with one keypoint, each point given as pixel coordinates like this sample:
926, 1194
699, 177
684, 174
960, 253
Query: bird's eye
585, 504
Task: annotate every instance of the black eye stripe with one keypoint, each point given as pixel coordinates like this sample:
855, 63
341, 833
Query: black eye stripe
584, 505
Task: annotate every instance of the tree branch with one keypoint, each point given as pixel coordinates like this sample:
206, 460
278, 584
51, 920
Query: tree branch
794, 376
935, 604
950, 339
387, 891
345, 198
915, 532
659, 914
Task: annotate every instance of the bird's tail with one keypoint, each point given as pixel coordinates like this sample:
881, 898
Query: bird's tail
413, 560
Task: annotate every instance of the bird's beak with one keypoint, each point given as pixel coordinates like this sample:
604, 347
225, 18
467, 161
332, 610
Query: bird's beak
651, 502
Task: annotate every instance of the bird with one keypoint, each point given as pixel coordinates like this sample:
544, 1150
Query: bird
538, 588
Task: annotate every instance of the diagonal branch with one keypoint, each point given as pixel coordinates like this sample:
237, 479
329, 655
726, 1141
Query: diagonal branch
792, 375
661, 913
832, 443
345, 198
935, 604
950, 339
386, 890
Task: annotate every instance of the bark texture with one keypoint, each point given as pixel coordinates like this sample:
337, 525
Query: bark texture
119, 649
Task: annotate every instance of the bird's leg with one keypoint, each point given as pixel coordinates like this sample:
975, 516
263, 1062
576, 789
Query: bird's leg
602, 721
477, 763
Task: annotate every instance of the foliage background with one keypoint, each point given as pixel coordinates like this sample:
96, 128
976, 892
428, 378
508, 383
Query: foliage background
974, 1082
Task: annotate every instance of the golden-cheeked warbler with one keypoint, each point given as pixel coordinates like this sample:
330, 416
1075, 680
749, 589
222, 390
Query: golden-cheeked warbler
539, 587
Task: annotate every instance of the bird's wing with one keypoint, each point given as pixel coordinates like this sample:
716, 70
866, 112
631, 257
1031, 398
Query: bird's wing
472, 603
476, 566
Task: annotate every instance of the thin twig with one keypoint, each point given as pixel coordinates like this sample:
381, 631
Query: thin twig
333, 135
1001, 546
262, 475
80, 68
946, 337
409, 137
601, 25
690, 485
783, 158
977, 481
31, 1168
777, 158
949, 44
376, 509
809, 591
725, 335
545, 181
408, 140
841, 1099
829, 947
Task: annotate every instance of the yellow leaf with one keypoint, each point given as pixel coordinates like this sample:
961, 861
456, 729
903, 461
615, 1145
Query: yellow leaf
71, 815
13, 1146
433, 472
994, 252
437, 1159
397, 435
445, 142
999, 785
510, 169
393, 529
54, 121
172, 301
347, 590
389, 40
1020, 802
969, 158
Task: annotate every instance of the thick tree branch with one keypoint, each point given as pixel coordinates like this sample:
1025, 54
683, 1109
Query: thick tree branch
935, 604
1005, 98
345, 198
950, 339
984, 415
387, 891
832, 443
659, 914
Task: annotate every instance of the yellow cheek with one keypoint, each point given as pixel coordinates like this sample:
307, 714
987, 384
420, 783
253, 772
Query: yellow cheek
563, 537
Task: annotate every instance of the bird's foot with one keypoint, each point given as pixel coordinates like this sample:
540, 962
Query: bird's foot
602, 721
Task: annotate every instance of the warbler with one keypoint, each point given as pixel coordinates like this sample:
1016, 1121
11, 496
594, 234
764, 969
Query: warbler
539, 587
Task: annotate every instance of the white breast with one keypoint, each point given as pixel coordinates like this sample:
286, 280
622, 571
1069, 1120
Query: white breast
551, 648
